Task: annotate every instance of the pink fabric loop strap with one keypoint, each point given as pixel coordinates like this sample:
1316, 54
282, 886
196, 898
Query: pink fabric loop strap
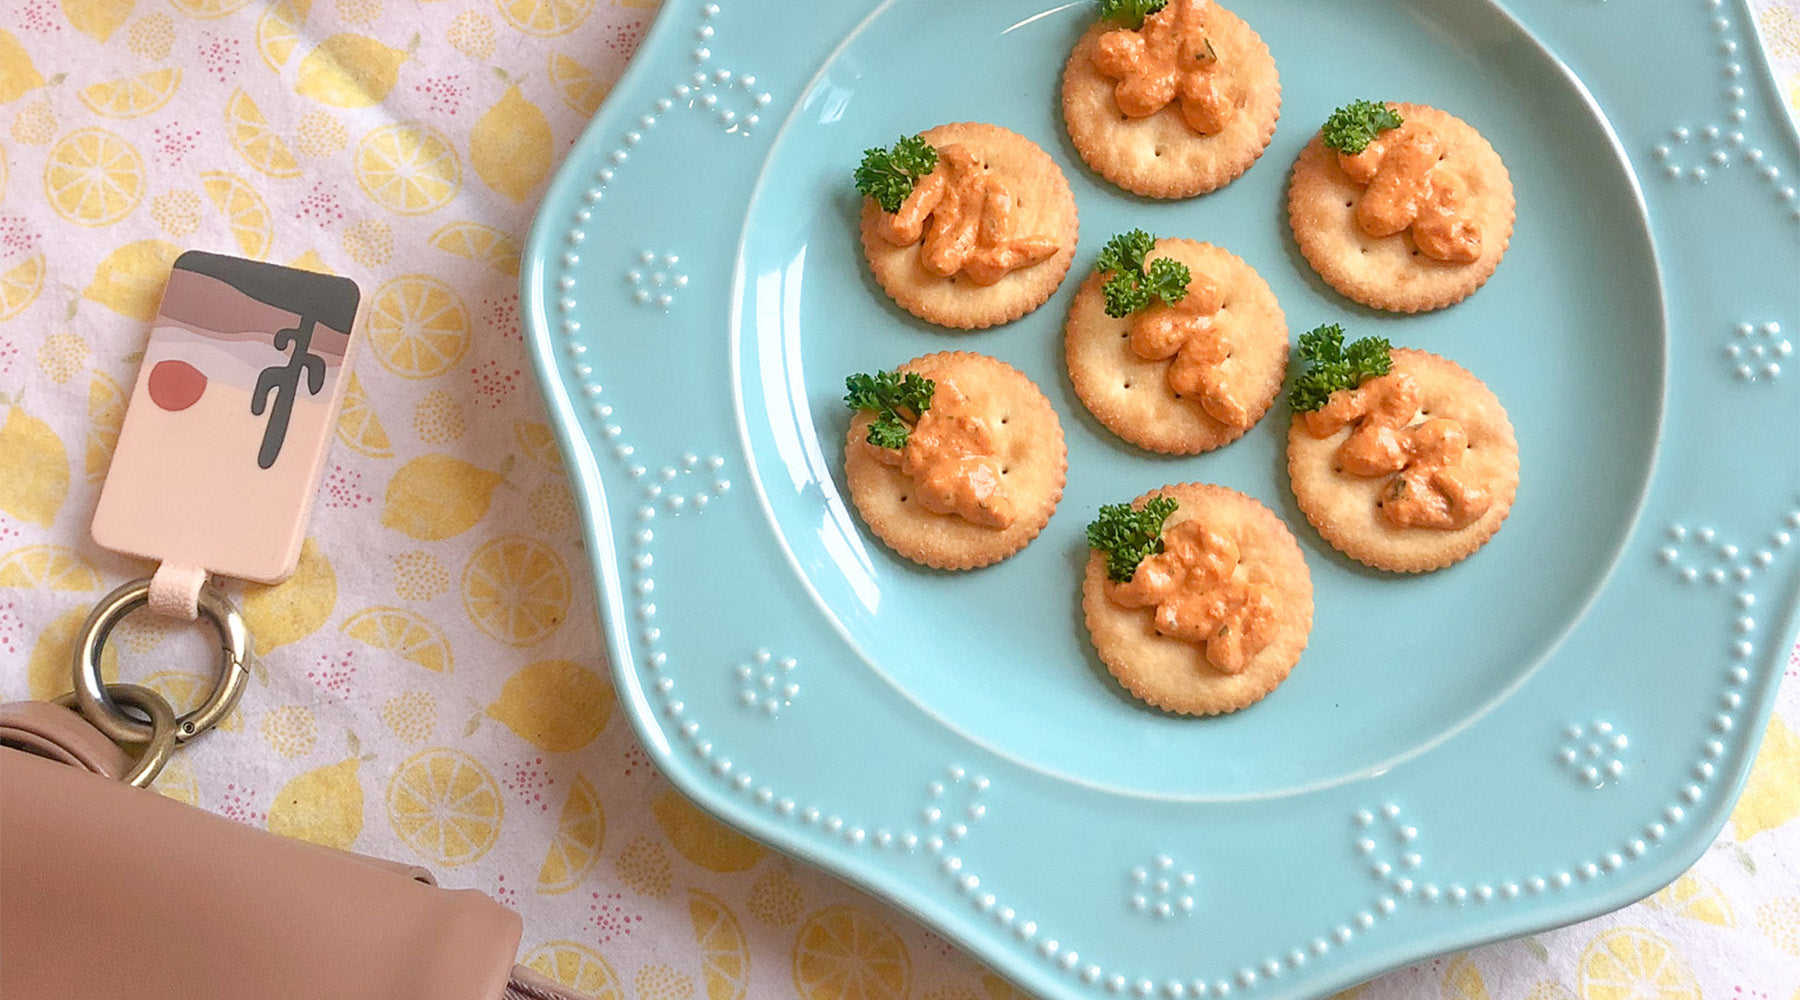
175, 591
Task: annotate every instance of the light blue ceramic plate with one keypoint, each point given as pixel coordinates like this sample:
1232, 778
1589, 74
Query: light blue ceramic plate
1554, 728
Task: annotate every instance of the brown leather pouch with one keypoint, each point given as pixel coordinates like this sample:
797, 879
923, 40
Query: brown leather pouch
112, 891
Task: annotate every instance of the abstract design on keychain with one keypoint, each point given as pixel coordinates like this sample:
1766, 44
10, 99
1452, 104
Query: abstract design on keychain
275, 335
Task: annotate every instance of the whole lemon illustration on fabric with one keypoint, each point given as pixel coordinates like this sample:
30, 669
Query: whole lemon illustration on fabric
555, 705
511, 146
321, 806
37, 468
18, 76
434, 497
47, 673
1771, 796
350, 71
701, 839
295, 608
130, 279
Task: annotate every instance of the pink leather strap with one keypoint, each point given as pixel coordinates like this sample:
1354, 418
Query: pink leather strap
120, 892
62, 735
175, 591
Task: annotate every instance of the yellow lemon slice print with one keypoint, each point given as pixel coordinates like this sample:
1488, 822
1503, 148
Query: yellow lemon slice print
20, 285
251, 225
474, 241
358, 426
843, 953
410, 169
1695, 899
93, 178
1633, 964
417, 326
133, 95
546, 17
255, 140
581, 90
106, 411
47, 567
580, 832
724, 955
445, 806
278, 31
404, 633
576, 966
516, 590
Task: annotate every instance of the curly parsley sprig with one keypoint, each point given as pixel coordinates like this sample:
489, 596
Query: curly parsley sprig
1129, 13
896, 401
1352, 127
1129, 536
1332, 366
1133, 286
889, 175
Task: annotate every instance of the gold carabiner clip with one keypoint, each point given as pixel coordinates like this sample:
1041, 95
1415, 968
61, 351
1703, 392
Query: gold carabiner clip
159, 746
91, 691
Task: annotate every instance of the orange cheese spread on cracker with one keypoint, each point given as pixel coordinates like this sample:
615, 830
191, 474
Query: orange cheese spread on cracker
949, 455
966, 218
1168, 59
1192, 585
1190, 336
1429, 489
1406, 188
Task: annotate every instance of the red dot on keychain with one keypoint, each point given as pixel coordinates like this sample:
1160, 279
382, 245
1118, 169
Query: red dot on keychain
176, 385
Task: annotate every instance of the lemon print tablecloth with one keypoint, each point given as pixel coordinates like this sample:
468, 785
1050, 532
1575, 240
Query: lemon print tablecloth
433, 688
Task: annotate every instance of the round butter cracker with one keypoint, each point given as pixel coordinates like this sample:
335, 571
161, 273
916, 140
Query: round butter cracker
1044, 206
1131, 396
1390, 273
1034, 465
1343, 507
1159, 156
1174, 675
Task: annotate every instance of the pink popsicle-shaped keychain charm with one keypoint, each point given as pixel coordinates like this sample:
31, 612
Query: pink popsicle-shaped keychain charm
221, 451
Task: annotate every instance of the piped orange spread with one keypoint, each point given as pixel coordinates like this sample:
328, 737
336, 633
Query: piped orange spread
950, 457
1408, 187
1191, 336
967, 218
1429, 489
1169, 58
1194, 585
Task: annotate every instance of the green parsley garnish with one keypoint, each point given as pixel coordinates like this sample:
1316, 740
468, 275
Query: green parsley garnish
1352, 127
1130, 13
1132, 285
1332, 366
896, 402
1129, 536
888, 175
